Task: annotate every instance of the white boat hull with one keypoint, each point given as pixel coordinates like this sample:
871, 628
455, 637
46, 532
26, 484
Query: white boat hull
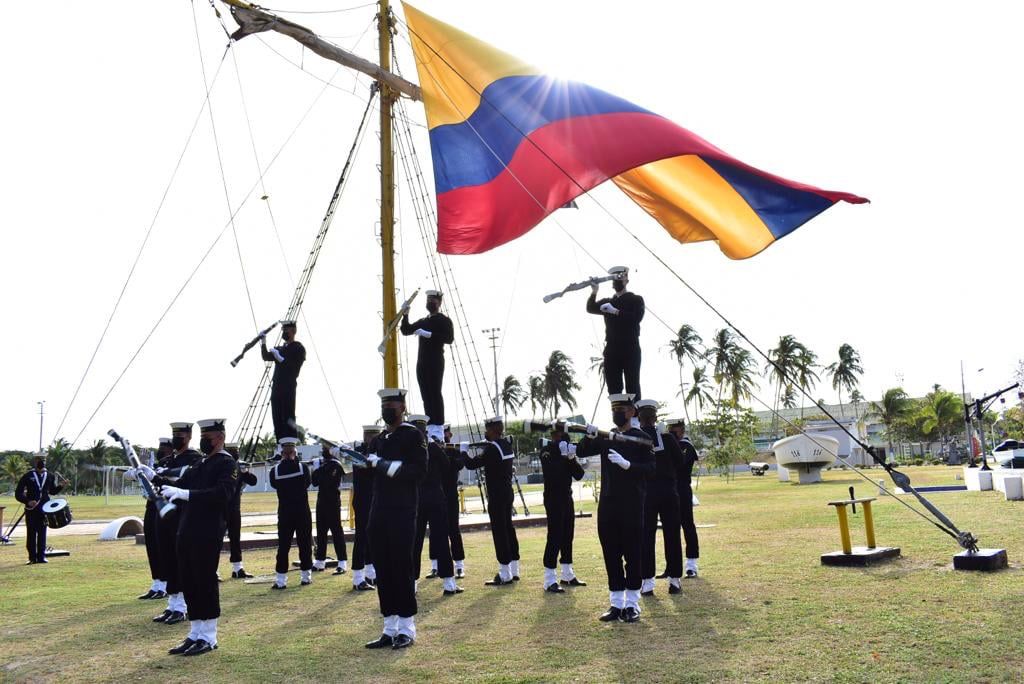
806, 455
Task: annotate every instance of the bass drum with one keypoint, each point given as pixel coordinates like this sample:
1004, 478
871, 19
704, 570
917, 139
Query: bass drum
57, 513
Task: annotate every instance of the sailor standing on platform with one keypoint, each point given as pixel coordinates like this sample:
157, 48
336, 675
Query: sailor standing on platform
207, 487
432, 512
288, 358
560, 467
158, 589
496, 460
180, 461
662, 501
235, 513
683, 477
625, 468
327, 479
399, 464
363, 573
291, 478
622, 314
434, 331
33, 490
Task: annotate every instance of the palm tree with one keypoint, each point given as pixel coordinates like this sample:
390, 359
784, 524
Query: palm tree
940, 413
60, 457
719, 354
739, 375
535, 386
788, 398
845, 372
806, 377
894, 407
686, 346
782, 369
700, 390
559, 383
856, 398
512, 395
12, 468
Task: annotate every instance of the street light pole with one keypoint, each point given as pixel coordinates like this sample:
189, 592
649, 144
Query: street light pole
493, 333
41, 424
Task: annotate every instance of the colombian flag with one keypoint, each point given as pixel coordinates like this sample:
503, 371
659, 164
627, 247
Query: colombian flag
510, 146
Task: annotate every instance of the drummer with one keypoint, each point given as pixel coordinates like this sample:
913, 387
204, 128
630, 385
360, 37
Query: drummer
33, 490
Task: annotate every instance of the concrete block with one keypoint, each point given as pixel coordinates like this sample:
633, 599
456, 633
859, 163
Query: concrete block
986, 560
783, 474
978, 480
860, 557
1013, 488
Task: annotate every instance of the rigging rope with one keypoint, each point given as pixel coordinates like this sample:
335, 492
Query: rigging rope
333, 11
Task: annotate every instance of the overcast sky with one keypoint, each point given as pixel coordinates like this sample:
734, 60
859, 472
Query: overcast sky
914, 105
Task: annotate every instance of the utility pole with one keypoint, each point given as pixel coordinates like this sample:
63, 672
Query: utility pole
41, 424
493, 337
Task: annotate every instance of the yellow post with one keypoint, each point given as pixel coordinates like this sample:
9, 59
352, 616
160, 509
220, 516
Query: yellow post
869, 524
462, 500
387, 197
844, 528
351, 510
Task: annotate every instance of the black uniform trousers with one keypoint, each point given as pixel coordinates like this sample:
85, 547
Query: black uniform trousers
282, 409
197, 569
622, 361
561, 530
436, 515
149, 522
167, 540
506, 545
663, 503
35, 542
619, 529
328, 519
454, 532
430, 377
686, 520
361, 556
392, 533
298, 524
235, 530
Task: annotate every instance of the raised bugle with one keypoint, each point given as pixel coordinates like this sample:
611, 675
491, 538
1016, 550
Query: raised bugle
605, 434
393, 323
337, 449
163, 506
252, 343
589, 282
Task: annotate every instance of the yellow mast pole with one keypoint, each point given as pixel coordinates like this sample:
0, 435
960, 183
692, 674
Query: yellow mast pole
387, 198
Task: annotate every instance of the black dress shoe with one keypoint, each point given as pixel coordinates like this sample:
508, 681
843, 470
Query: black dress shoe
383, 641
647, 593
42, 560
691, 573
305, 583
31, 562
363, 586
162, 617
401, 641
553, 588
316, 569
148, 595
432, 574
497, 582
515, 578
175, 617
662, 575
630, 615
279, 587
160, 595
611, 615
453, 592
574, 582
240, 574
339, 570
372, 581
219, 579
200, 647
459, 573
673, 589
182, 647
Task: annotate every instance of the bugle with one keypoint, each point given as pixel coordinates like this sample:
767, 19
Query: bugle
163, 506
394, 322
252, 343
605, 434
338, 449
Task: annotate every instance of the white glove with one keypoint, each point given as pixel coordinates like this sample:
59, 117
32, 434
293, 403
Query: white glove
146, 470
609, 309
160, 471
567, 449
132, 473
174, 493
262, 336
591, 430
424, 333
317, 462
463, 447
616, 458
372, 459
335, 452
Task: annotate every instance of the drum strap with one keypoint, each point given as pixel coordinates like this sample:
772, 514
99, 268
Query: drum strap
40, 483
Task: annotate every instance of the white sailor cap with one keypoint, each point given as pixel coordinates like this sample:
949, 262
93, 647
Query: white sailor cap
287, 323
493, 420
435, 293
620, 271
165, 440
372, 429
230, 445
672, 422
211, 425
288, 441
621, 399
418, 418
391, 394
647, 403
181, 427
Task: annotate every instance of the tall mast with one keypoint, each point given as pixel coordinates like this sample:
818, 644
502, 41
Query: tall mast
387, 198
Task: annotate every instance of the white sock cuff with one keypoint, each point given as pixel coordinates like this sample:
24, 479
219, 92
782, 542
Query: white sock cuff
391, 625
449, 584
617, 599
460, 565
407, 626
433, 564
343, 564
306, 575
632, 599
550, 577
358, 576
319, 564
514, 565
161, 585
674, 581
505, 571
195, 630
282, 578
209, 630
371, 573
236, 566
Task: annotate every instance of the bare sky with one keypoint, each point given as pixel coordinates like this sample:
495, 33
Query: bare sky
914, 105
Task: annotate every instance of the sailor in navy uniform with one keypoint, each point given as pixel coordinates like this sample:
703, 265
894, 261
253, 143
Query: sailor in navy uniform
158, 589
235, 513
622, 314
662, 501
560, 467
34, 489
434, 331
363, 573
400, 463
288, 358
167, 472
496, 460
291, 478
625, 468
683, 477
207, 488
327, 479
432, 512
450, 480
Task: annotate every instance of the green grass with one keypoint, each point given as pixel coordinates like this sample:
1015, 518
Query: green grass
763, 610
